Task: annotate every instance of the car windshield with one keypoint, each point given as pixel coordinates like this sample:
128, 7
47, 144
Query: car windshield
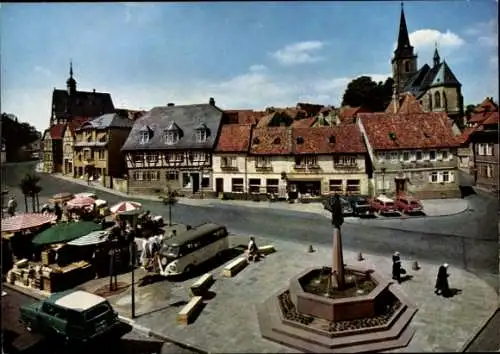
171, 251
97, 311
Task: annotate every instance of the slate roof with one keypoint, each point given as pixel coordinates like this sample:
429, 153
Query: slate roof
234, 138
271, 141
112, 120
427, 77
412, 131
81, 103
327, 140
186, 117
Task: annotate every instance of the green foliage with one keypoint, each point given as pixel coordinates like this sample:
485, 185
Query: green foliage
364, 92
30, 188
17, 134
469, 110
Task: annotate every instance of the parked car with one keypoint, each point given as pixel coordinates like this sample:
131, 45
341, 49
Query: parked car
384, 205
73, 316
408, 205
346, 206
361, 205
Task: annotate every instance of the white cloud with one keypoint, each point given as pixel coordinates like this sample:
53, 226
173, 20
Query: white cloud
427, 38
299, 53
485, 33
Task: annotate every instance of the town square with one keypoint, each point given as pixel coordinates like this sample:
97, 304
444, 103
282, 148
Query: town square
352, 214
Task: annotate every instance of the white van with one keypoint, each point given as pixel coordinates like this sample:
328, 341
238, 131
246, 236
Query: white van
181, 253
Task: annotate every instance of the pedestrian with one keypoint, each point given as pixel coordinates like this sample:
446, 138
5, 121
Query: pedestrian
58, 211
396, 267
12, 206
442, 287
253, 250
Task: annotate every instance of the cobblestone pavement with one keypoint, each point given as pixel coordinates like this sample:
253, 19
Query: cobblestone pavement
228, 322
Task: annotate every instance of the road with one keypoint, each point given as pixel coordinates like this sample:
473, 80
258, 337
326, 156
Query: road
435, 240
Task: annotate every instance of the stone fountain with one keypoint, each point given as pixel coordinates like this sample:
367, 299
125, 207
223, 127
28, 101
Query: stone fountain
338, 308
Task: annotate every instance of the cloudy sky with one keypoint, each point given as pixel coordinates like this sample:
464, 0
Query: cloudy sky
245, 55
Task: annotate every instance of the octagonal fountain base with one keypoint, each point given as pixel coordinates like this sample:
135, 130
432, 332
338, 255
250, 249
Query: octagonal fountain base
371, 316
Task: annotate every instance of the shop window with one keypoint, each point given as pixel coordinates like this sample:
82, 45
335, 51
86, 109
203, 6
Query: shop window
353, 186
237, 185
336, 186
205, 182
272, 186
172, 175
254, 185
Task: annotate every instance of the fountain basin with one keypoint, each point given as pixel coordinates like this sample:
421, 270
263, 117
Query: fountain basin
347, 304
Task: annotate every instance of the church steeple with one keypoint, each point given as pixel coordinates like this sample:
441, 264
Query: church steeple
71, 82
436, 58
404, 62
403, 38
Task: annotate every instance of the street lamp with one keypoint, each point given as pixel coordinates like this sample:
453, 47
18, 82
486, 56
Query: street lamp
383, 179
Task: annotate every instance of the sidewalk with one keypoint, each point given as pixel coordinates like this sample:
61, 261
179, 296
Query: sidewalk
432, 207
224, 325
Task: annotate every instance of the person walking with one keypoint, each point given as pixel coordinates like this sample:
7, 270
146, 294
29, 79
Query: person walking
442, 286
12, 206
58, 211
396, 266
253, 250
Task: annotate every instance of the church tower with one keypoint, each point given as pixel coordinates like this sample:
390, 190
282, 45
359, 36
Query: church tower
404, 62
71, 82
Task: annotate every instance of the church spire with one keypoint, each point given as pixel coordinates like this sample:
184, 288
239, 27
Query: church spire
436, 58
403, 38
71, 82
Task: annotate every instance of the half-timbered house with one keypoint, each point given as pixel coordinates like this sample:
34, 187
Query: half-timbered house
68, 144
172, 146
52, 148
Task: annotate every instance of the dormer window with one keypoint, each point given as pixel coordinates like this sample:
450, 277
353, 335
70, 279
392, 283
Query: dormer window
300, 140
277, 141
202, 133
331, 139
144, 135
256, 141
171, 137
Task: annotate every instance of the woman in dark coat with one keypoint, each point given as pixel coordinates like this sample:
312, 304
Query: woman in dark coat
442, 287
396, 267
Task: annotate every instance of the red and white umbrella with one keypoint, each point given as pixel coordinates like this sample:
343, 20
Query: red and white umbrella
80, 202
126, 206
26, 221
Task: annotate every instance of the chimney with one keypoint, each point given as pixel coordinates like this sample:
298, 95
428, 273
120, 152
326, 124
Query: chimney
395, 99
211, 101
170, 104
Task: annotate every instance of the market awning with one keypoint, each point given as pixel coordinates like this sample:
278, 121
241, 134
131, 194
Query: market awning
65, 232
26, 221
80, 202
126, 206
93, 238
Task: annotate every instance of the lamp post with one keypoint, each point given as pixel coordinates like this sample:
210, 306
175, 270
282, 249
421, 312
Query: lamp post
383, 179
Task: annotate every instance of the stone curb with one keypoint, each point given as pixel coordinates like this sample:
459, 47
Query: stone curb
471, 340
138, 327
212, 203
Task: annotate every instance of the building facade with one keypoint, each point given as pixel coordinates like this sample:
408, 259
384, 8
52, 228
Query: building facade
172, 146
308, 161
97, 147
68, 145
53, 149
436, 87
412, 154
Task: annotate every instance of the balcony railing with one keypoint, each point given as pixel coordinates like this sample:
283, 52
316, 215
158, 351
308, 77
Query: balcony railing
408, 165
228, 168
307, 168
344, 166
263, 168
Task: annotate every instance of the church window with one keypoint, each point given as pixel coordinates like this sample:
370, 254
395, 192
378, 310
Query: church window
437, 100
407, 66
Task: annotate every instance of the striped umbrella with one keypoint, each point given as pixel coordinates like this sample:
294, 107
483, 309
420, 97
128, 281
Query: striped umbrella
80, 202
86, 195
126, 206
93, 238
26, 221
61, 197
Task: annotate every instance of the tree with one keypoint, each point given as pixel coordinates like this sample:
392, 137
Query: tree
364, 92
16, 135
170, 198
469, 110
29, 187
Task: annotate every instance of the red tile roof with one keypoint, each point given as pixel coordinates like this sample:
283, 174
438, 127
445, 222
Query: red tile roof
304, 123
407, 104
310, 108
246, 116
327, 140
464, 137
488, 105
56, 131
412, 131
491, 119
348, 112
234, 138
75, 123
271, 141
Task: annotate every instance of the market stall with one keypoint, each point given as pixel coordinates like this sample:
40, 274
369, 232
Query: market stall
86, 195
61, 197
125, 206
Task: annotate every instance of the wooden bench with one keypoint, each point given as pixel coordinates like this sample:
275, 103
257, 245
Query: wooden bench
234, 267
187, 313
267, 249
202, 285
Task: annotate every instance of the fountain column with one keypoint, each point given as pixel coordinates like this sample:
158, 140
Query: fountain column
338, 276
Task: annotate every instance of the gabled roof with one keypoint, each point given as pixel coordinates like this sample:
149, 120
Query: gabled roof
488, 105
304, 123
444, 76
187, 118
234, 138
480, 118
271, 141
327, 140
410, 131
81, 103
56, 131
407, 104
244, 116
348, 112
75, 123
106, 121
415, 82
